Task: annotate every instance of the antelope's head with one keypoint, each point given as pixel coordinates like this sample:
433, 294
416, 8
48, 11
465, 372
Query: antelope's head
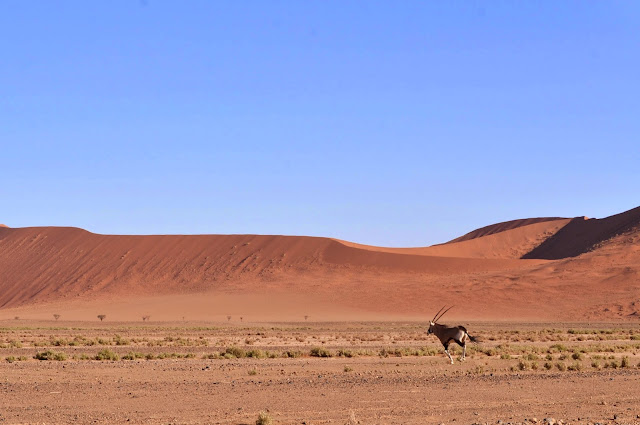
437, 317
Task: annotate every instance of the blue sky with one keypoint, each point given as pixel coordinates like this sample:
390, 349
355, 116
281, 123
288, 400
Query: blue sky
388, 123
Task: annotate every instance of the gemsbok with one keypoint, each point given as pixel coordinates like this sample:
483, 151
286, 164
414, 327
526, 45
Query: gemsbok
446, 334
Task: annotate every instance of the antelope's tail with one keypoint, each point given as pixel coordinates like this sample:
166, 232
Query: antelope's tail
473, 338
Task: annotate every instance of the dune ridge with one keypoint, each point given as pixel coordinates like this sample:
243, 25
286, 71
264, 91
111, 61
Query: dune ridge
502, 227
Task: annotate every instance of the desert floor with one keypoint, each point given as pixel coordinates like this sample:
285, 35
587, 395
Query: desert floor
316, 373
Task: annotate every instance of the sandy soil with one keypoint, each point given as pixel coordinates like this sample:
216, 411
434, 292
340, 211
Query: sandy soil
377, 385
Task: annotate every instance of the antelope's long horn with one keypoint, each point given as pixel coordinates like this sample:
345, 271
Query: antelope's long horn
440, 317
434, 317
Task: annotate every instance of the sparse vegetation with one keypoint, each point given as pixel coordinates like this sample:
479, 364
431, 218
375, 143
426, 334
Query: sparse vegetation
102, 317
320, 352
107, 354
50, 355
264, 418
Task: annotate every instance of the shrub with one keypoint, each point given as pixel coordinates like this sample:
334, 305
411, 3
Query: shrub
548, 366
50, 355
132, 356
10, 359
256, 354
264, 418
118, 340
320, 352
624, 362
348, 369
576, 366
107, 354
292, 354
557, 348
236, 352
577, 356
102, 317
252, 372
344, 353
561, 366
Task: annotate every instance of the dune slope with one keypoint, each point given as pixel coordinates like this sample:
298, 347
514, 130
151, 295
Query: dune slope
582, 235
501, 227
574, 269
46, 263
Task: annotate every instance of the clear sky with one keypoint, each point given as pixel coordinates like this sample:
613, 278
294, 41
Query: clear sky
389, 123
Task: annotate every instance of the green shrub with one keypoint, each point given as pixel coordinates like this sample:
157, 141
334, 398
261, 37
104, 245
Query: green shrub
264, 418
624, 362
576, 366
577, 356
344, 353
133, 356
256, 354
50, 355
107, 354
320, 352
236, 352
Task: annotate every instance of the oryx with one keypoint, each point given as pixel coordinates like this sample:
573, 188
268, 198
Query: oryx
447, 334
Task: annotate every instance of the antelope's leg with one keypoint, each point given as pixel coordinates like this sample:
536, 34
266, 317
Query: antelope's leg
464, 350
446, 350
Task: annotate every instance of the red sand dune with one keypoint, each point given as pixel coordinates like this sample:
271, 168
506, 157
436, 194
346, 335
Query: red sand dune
582, 235
70, 270
501, 227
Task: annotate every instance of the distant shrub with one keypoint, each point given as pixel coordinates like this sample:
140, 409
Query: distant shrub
256, 354
50, 355
133, 356
344, 353
576, 366
320, 352
102, 317
107, 354
236, 352
625, 362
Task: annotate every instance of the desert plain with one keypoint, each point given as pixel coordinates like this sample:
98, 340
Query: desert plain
301, 330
